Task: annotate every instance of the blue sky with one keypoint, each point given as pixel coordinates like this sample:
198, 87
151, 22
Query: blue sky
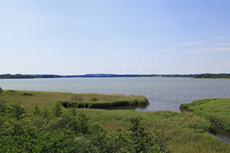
115, 36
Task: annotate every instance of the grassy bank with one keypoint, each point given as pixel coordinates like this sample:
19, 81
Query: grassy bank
216, 110
189, 132
46, 100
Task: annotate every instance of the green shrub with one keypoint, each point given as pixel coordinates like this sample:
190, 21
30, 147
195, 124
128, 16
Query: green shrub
36, 110
93, 99
73, 111
1, 90
3, 108
76, 98
57, 109
17, 111
72, 133
10, 92
25, 94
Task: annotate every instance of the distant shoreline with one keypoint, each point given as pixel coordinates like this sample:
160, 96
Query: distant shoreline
197, 76
27, 76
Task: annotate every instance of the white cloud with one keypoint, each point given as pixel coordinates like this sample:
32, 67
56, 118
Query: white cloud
125, 63
227, 65
80, 56
158, 51
150, 55
124, 50
148, 63
220, 38
117, 53
192, 43
222, 44
132, 54
210, 50
187, 66
164, 50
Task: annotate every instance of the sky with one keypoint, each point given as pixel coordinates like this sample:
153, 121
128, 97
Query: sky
114, 36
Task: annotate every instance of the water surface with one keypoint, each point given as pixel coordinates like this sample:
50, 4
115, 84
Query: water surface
162, 93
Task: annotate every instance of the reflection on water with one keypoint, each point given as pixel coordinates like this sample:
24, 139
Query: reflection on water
127, 107
223, 135
223, 138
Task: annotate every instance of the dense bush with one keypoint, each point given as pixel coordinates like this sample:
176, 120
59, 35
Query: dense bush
71, 132
57, 109
10, 92
93, 99
25, 94
1, 90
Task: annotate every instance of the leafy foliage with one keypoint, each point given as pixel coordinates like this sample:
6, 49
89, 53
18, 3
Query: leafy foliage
25, 94
17, 111
36, 110
57, 109
3, 108
70, 133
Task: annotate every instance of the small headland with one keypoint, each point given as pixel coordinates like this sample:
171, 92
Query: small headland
69, 100
215, 110
104, 101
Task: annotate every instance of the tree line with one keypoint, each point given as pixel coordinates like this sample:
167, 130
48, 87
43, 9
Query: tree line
209, 75
27, 76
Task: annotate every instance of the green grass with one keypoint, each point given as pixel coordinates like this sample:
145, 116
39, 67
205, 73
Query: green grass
189, 131
47, 99
216, 110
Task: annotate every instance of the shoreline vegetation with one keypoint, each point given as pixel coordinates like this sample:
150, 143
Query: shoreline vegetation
213, 76
215, 110
104, 101
71, 100
40, 124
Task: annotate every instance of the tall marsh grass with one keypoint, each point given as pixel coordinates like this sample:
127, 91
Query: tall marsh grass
216, 110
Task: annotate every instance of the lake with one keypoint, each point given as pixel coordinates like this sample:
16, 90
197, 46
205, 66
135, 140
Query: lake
162, 93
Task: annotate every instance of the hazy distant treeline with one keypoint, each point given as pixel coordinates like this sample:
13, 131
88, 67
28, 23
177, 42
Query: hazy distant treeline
208, 75
27, 76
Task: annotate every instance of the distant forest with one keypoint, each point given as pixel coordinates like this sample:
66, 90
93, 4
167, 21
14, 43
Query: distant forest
208, 75
27, 76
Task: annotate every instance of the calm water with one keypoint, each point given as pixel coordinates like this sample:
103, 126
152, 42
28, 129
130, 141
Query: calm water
162, 93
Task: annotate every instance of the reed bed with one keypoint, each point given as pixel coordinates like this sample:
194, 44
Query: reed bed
216, 110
